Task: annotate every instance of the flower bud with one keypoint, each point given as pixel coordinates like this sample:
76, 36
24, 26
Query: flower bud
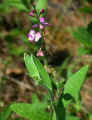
40, 53
42, 11
32, 13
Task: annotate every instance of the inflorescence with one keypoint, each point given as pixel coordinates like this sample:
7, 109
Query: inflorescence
37, 31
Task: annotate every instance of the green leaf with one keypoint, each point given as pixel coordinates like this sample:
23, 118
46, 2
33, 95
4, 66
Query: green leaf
83, 36
4, 8
34, 111
74, 83
37, 71
41, 4
69, 117
54, 116
26, 3
83, 51
5, 114
89, 28
16, 32
17, 4
90, 1
86, 9
60, 110
32, 68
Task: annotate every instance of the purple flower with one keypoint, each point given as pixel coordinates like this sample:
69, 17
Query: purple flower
42, 20
32, 13
40, 53
43, 23
33, 36
37, 36
35, 26
46, 24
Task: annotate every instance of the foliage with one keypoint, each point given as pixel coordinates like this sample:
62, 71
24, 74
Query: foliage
36, 70
87, 9
18, 4
36, 110
56, 102
41, 4
73, 88
83, 36
5, 114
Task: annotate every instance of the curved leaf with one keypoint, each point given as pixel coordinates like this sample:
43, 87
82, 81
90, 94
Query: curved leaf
74, 83
37, 71
34, 111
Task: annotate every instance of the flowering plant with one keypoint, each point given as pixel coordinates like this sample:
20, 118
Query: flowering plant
59, 94
37, 32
